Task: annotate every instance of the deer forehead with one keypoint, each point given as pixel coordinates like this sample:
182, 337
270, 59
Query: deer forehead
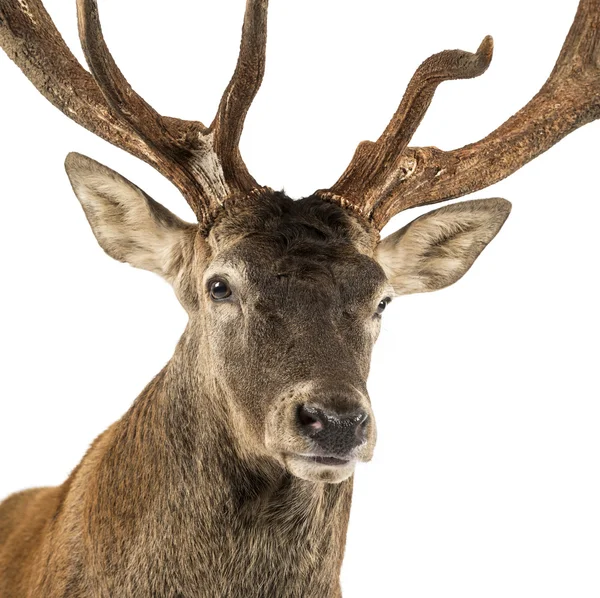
273, 215
305, 245
270, 266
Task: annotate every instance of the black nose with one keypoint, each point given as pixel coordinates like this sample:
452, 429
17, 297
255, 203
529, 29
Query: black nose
336, 434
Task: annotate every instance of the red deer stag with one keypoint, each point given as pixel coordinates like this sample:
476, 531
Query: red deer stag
231, 474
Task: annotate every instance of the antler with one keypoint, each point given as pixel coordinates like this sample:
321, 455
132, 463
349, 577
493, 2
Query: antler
386, 177
204, 163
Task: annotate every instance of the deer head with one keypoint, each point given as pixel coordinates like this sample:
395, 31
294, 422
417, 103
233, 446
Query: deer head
285, 297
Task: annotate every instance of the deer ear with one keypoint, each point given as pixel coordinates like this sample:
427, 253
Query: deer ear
436, 249
128, 224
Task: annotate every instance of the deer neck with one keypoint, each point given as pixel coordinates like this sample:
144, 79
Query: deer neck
173, 490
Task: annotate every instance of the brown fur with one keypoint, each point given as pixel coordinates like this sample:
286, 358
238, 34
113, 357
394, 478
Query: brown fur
154, 510
201, 489
209, 486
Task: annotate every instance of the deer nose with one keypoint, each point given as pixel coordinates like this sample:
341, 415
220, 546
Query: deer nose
336, 434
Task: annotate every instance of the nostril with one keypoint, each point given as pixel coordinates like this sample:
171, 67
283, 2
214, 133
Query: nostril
334, 433
361, 428
309, 418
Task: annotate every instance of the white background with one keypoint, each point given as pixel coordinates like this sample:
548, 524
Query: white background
485, 480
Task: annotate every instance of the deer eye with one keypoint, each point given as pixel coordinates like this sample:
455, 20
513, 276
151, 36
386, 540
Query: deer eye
219, 290
382, 305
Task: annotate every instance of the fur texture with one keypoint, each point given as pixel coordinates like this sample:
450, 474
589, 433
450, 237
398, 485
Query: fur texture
207, 487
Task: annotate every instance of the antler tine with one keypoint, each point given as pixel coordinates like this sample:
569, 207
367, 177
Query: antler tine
239, 94
125, 102
407, 177
373, 168
131, 109
152, 127
444, 66
31, 40
204, 163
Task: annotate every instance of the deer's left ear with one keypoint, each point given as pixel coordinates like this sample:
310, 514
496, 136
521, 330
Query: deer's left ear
128, 224
436, 249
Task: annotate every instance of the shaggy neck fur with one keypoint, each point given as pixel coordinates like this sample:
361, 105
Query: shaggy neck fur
165, 503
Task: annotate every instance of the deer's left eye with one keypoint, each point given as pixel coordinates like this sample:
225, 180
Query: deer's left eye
219, 290
382, 305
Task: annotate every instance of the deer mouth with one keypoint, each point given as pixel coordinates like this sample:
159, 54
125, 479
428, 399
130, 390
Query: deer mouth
320, 460
320, 468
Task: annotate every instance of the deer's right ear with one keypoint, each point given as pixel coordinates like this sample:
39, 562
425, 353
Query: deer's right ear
128, 224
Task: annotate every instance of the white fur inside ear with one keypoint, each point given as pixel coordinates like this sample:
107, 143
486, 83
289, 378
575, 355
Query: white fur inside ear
129, 225
437, 249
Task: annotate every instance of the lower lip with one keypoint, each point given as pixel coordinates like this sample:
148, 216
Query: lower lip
331, 461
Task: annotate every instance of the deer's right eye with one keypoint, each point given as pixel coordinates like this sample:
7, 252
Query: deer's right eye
219, 290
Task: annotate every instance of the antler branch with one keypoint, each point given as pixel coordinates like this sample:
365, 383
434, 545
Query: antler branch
30, 39
204, 163
374, 167
386, 177
242, 89
123, 100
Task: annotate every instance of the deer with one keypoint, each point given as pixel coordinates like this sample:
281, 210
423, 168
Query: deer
231, 474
